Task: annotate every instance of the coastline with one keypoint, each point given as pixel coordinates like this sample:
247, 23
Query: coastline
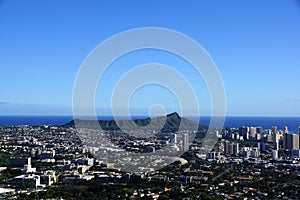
230, 121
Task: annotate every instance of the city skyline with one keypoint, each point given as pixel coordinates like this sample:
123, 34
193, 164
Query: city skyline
254, 44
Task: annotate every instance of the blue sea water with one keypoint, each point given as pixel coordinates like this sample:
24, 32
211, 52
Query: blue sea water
230, 121
34, 120
10, 120
265, 122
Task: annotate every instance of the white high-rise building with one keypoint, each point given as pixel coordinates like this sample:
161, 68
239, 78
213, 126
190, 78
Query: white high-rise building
185, 142
276, 138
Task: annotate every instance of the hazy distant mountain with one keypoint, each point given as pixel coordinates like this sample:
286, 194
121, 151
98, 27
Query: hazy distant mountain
170, 123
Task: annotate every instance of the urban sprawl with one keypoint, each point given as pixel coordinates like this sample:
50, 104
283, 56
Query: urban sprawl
51, 162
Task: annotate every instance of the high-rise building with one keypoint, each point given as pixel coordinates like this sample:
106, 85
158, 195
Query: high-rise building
231, 148
276, 138
285, 129
185, 142
228, 148
244, 131
299, 130
259, 130
253, 132
274, 129
291, 141
173, 138
295, 142
236, 148
285, 141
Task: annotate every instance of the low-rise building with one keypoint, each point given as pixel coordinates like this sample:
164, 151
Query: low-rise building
28, 179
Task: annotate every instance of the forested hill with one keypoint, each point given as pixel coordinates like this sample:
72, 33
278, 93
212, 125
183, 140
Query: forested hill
169, 123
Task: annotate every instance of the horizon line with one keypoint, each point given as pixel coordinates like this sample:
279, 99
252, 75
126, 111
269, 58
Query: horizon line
142, 115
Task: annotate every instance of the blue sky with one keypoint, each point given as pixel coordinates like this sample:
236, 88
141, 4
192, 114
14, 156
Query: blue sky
255, 45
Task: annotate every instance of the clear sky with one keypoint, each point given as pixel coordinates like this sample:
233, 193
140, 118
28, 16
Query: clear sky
255, 44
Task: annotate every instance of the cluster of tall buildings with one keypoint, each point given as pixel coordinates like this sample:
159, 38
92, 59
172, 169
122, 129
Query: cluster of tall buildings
285, 140
249, 133
282, 139
231, 148
291, 141
183, 141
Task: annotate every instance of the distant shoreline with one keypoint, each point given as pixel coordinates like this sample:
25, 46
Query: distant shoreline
231, 121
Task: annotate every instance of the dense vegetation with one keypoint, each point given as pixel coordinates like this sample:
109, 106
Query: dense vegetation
4, 159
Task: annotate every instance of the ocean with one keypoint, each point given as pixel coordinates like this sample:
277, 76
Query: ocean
265, 122
230, 121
